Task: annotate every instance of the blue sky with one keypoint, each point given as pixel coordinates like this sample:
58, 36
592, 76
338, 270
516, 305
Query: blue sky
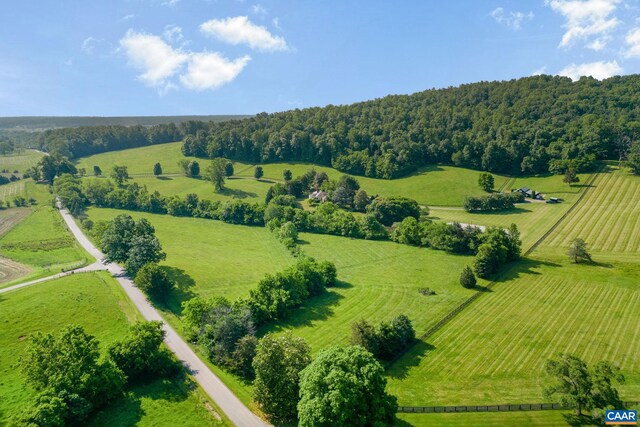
171, 57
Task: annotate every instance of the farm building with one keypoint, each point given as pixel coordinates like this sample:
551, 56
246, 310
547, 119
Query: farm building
527, 192
319, 196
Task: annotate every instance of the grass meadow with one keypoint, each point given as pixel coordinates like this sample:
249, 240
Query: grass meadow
491, 353
433, 185
20, 161
96, 302
494, 351
41, 241
378, 280
486, 419
211, 258
608, 219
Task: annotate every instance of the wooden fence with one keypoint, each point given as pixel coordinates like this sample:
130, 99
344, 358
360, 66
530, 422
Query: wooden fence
492, 408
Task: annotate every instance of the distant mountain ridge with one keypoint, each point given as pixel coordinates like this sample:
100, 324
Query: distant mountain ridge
41, 123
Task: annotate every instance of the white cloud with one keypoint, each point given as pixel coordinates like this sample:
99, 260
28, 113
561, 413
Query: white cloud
633, 41
170, 2
586, 19
128, 17
153, 57
239, 30
89, 44
541, 70
276, 22
211, 70
259, 9
512, 20
173, 33
598, 70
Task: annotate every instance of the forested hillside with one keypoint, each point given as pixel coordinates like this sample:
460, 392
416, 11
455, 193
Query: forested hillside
530, 125
519, 126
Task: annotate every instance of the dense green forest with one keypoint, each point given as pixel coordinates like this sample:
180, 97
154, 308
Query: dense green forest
529, 125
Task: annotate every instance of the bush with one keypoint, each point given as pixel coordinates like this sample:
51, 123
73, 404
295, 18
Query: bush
467, 278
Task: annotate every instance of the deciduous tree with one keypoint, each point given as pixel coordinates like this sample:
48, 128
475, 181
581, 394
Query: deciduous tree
278, 362
344, 386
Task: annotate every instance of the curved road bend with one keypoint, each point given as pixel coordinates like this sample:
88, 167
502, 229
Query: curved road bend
233, 408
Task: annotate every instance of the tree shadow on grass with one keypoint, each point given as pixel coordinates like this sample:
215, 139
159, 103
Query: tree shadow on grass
584, 420
399, 368
181, 291
316, 309
237, 194
522, 267
128, 411
164, 178
515, 211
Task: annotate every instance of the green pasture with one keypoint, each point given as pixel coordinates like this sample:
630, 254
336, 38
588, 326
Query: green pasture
433, 185
608, 219
488, 419
96, 302
377, 281
41, 241
211, 258
494, 351
139, 161
20, 161
247, 189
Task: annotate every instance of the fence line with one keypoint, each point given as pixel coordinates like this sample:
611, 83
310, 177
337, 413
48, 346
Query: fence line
492, 408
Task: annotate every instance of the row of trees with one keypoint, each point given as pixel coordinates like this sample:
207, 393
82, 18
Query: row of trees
493, 202
71, 380
226, 331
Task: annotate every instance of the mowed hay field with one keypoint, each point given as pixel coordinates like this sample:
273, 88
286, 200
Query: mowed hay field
608, 219
96, 302
532, 218
494, 351
485, 419
20, 161
378, 280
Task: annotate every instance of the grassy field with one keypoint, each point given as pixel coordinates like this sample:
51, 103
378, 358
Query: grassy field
211, 258
532, 218
42, 242
138, 160
495, 350
608, 219
488, 419
379, 280
95, 301
20, 161
433, 185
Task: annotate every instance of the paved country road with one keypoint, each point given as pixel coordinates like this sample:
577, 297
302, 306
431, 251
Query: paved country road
233, 408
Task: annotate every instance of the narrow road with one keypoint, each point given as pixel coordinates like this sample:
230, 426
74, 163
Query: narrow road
233, 408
